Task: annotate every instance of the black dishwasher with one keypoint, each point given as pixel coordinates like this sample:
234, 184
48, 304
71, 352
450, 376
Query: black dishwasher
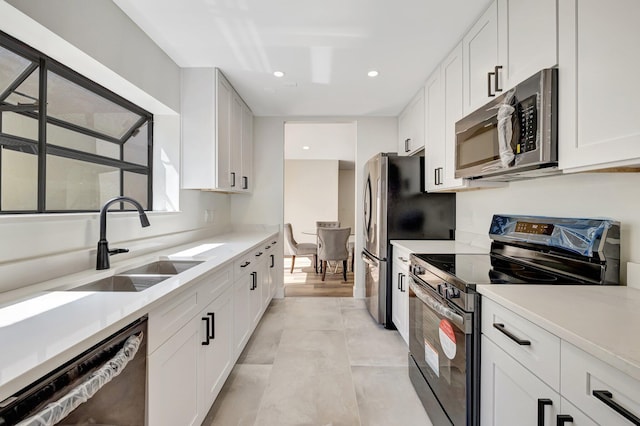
105, 385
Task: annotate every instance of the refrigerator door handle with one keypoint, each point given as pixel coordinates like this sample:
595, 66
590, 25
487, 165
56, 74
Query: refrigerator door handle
368, 260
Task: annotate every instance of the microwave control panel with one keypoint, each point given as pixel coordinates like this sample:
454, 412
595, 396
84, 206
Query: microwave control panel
526, 125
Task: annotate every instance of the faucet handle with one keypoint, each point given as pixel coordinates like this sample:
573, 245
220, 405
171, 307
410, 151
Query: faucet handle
118, 251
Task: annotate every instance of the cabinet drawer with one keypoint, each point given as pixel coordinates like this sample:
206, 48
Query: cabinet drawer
582, 374
168, 318
244, 265
213, 285
505, 328
401, 256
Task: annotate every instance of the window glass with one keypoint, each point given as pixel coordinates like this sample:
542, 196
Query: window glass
18, 181
19, 125
74, 104
67, 138
27, 92
136, 148
135, 186
78, 185
11, 66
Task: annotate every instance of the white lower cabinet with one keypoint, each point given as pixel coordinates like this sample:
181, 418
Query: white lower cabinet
173, 377
526, 370
511, 394
241, 316
216, 347
399, 292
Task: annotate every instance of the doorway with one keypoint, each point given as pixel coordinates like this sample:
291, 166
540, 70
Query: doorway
319, 185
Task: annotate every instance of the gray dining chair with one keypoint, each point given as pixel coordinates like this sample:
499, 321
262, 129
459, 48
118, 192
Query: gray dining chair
300, 249
332, 245
326, 224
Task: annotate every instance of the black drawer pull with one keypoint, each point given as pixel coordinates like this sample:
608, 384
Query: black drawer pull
489, 78
233, 179
267, 247
496, 71
561, 419
254, 281
258, 254
207, 321
273, 261
213, 325
542, 402
245, 264
607, 398
501, 329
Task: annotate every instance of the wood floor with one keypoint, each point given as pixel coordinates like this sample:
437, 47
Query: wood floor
304, 282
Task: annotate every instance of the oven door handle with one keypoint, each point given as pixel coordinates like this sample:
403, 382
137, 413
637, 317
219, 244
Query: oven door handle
54, 412
438, 307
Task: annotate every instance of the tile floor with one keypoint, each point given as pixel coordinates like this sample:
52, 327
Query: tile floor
319, 361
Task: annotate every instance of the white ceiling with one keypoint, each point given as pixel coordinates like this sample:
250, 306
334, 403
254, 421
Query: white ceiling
325, 47
324, 141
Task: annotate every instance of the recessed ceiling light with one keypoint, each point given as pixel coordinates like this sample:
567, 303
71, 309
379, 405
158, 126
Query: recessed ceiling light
278, 74
305, 148
372, 73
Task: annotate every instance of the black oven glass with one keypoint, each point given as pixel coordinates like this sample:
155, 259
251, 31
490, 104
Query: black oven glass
441, 350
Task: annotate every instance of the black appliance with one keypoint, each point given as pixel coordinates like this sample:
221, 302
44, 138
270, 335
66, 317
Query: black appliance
397, 208
444, 308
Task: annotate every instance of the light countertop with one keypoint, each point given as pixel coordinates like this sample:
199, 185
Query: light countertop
438, 246
50, 327
604, 321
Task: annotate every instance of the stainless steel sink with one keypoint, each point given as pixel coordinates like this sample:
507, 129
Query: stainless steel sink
163, 267
140, 278
123, 283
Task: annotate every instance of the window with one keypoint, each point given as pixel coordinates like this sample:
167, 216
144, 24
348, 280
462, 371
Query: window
67, 144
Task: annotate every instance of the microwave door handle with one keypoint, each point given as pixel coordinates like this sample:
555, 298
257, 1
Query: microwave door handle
58, 410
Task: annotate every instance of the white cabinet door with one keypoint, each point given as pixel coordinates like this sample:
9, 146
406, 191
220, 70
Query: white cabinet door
396, 295
411, 132
266, 291
216, 347
510, 394
235, 142
598, 84
224, 94
241, 319
528, 35
480, 50
173, 378
434, 144
246, 168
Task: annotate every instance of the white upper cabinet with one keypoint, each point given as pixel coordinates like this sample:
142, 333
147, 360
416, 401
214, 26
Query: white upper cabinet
480, 50
217, 135
598, 84
527, 39
443, 107
510, 42
411, 126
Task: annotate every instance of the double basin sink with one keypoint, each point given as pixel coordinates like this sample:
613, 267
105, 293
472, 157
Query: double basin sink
140, 278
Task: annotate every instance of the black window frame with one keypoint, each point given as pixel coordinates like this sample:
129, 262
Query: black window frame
43, 64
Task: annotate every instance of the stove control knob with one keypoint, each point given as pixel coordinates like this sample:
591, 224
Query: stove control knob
418, 270
452, 293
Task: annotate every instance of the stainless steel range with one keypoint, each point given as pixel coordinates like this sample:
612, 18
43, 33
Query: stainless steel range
444, 340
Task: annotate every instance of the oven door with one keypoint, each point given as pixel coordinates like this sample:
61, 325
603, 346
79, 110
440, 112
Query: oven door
441, 344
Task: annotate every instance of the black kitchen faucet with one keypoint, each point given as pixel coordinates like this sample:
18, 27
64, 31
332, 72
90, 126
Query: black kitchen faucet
102, 260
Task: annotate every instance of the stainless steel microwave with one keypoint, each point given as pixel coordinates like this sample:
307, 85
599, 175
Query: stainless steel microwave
514, 136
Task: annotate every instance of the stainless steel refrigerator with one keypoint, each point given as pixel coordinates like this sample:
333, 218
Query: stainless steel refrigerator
397, 208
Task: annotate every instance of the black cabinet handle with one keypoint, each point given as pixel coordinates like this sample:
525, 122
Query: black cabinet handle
563, 418
267, 247
607, 398
245, 182
489, 78
273, 261
258, 254
212, 335
207, 321
402, 277
233, 179
273, 243
254, 280
245, 264
501, 329
399, 276
496, 71
542, 402
435, 176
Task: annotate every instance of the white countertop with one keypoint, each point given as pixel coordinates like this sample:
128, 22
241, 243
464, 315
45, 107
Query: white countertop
604, 321
438, 247
51, 327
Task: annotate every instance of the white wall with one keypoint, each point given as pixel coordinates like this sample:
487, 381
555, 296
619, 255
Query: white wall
613, 195
374, 134
117, 54
347, 198
310, 195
